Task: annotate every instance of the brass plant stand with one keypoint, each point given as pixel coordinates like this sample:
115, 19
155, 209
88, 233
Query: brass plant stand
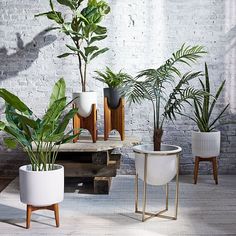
148, 215
114, 119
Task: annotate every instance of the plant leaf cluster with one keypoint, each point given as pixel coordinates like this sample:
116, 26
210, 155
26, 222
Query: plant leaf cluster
84, 28
111, 78
203, 108
154, 85
40, 138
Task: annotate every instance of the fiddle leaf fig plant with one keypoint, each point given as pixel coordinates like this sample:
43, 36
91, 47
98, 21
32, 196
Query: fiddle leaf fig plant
40, 138
166, 88
83, 28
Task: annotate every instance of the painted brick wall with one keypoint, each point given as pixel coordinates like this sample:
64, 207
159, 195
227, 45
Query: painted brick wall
141, 34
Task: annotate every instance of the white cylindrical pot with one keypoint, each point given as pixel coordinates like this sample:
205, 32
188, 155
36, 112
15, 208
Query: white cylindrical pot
41, 188
162, 166
206, 144
84, 102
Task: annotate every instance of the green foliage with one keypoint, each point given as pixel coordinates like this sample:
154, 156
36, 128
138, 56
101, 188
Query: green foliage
83, 28
204, 107
112, 79
40, 138
152, 84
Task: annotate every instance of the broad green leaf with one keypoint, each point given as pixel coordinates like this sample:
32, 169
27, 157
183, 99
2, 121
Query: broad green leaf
68, 3
10, 143
90, 50
14, 101
97, 38
58, 91
2, 125
98, 53
72, 48
100, 30
53, 15
65, 55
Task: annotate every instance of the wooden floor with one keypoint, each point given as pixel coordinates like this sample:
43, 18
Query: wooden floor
205, 209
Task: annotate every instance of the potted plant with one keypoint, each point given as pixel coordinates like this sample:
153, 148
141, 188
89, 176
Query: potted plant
206, 141
114, 82
84, 30
42, 181
151, 85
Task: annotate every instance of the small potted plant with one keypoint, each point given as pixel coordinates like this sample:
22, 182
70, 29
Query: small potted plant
84, 29
42, 181
114, 81
206, 141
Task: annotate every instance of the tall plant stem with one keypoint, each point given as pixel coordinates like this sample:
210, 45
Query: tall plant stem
85, 77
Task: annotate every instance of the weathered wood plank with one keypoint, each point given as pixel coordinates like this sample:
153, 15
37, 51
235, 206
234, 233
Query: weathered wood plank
73, 169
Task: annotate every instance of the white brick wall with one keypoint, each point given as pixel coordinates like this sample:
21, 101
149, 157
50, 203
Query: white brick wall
141, 34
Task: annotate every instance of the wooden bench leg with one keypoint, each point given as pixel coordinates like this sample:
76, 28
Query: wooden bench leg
196, 166
215, 171
53, 207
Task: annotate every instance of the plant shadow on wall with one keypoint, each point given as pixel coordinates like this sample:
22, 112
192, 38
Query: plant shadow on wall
12, 64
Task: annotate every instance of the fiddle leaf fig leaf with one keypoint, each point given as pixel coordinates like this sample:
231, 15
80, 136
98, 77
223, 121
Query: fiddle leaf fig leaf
97, 38
68, 3
97, 53
90, 50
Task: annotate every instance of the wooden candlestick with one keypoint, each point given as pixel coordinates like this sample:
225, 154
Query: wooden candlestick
114, 119
89, 123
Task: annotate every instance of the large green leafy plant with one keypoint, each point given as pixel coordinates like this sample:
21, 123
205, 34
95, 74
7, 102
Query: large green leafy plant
39, 138
83, 28
111, 78
166, 88
203, 108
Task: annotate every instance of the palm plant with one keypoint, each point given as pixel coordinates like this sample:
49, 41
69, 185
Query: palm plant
204, 108
112, 79
39, 138
151, 84
83, 29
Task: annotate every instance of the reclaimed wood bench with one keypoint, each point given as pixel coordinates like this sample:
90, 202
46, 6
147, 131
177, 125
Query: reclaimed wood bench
97, 162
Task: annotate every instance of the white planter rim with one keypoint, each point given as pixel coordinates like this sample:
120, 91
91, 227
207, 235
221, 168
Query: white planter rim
213, 131
28, 168
174, 149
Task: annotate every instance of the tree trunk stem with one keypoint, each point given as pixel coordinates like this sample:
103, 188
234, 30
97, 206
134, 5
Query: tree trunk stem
157, 139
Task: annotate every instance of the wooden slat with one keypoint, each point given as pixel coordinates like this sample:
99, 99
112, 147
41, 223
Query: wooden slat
88, 169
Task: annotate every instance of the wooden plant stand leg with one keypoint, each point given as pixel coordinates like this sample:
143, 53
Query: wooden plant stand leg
196, 167
53, 207
213, 160
89, 123
114, 119
215, 169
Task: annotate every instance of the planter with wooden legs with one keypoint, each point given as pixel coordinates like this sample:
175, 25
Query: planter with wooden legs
206, 148
41, 190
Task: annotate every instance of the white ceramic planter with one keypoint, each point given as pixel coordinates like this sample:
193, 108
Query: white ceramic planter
84, 102
162, 166
41, 188
206, 144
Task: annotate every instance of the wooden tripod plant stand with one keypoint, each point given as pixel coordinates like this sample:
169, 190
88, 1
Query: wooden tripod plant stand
53, 207
114, 119
89, 123
213, 160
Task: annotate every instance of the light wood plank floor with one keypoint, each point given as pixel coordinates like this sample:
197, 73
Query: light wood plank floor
205, 209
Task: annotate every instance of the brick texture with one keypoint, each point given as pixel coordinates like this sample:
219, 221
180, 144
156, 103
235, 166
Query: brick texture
141, 34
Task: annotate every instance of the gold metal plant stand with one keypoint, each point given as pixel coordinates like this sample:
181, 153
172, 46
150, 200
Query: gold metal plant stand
149, 215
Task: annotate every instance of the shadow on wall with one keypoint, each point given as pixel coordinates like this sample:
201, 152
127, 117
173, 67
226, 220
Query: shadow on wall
25, 55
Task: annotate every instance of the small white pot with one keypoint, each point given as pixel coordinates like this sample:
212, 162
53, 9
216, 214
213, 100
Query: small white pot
41, 188
162, 166
206, 144
84, 102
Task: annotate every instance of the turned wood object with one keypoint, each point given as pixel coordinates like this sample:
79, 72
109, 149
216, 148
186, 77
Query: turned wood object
213, 160
53, 207
114, 119
89, 123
